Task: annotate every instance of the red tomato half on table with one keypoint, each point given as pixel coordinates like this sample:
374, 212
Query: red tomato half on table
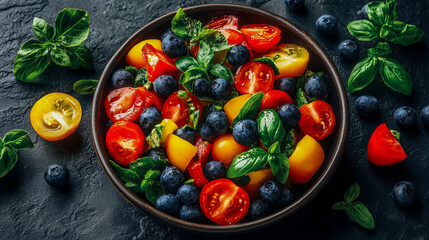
125, 104
157, 63
125, 142
275, 99
317, 119
261, 37
195, 168
253, 77
383, 148
177, 108
223, 202
223, 22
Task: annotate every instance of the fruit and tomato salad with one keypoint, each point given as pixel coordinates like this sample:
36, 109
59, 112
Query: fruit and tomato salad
217, 121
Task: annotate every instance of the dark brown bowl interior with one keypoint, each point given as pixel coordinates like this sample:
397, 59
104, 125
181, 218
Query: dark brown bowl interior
319, 61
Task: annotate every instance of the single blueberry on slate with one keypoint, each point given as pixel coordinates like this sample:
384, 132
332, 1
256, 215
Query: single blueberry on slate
191, 213
363, 12
57, 175
425, 116
220, 89
157, 153
149, 118
202, 87
122, 78
238, 55
286, 197
287, 85
290, 115
188, 194
173, 46
205, 131
295, 5
405, 117
366, 105
326, 25
214, 170
270, 191
168, 203
316, 87
165, 85
171, 179
258, 209
187, 133
245, 132
218, 121
349, 50
403, 193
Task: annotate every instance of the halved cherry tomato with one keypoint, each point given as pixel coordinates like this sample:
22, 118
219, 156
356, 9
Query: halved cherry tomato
223, 22
56, 116
275, 99
156, 62
135, 57
125, 142
317, 119
225, 148
261, 37
152, 98
253, 77
177, 108
223, 202
195, 168
290, 59
125, 104
383, 148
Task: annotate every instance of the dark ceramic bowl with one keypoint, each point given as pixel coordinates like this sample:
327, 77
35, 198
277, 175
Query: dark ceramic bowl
319, 61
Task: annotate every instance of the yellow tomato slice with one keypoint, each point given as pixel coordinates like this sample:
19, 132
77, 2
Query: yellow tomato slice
56, 116
135, 56
180, 152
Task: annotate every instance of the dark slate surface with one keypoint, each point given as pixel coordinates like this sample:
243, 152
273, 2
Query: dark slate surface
91, 208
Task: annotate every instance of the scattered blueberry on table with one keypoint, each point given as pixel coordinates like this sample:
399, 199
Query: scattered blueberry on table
403, 193
405, 117
57, 175
367, 105
326, 25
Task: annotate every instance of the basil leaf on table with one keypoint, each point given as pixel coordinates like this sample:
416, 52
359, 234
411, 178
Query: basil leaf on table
270, 128
391, 9
72, 27
363, 30
289, 142
205, 55
43, 30
341, 205
401, 33
395, 76
359, 213
220, 70
184, 26
81, 57
18, 139
268, 61
251, 107
85, 86
185, 63
352, 193
362, 74
253, 160
32, 60
8, 159
377, 13
59, 56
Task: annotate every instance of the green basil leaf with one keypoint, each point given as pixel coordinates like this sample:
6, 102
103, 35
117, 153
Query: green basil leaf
43, 30
270, 127
401, 33
279, 166
32, 60
80, 57
132, 70
274, 149
217, 41
189, 181
72, 27
250, 108
142, 80
357, 212
205, 55
194, 114
152, 174
59, 56
289, 142
395, 76
18, 139
191, 75
220, 70
363, 30
300, 98
185, 63
268, 61
145, 184
131, 185
381, 50
362, 74
392, 11
203, 34
242, 180
8, 159
142, 165
154, 138
184, 26
253, 160
154, 191
377, 13
339, 205
85, 86
14, 135
126, 175
352, 193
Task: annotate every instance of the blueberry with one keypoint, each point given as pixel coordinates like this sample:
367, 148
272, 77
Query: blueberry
191, 213
258, 209
220, 89
171, 179
157, 153
363, 12
238, 55
316, 87
167, 33
349, 50
57, 175
245, 132
287, 85
218, 121
168, 203
205, 131
295, 5
214, 170
366, 105
270, 191
425, 116
202, 87
149, 118
173, 46
187, 133
188, 194
290, 115
405, 117
326, 25
165, 85
286, 197
122, 78
403, 193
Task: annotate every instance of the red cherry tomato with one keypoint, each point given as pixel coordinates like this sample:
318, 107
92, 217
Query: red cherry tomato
253, 77
177, 109
125, 142
223, 202
151, 98
157, 63
223, 22
234, 37
383, 148
275, 99
195, 168
261, 37
317, 119
125, 104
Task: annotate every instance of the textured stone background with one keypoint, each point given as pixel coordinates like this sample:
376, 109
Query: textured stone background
90, 208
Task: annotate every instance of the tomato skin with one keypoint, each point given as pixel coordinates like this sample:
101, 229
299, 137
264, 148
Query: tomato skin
317, 119
176, 109
234, 205
152, 98
223, 22
383, 148
195, 169
156, 62
275, 99
125, 104
261, 37
135, 57
253, 77
125, 142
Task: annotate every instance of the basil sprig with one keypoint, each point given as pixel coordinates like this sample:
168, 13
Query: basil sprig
11, 142
355, 210
270, 128
63, 44
194, 114
250, 108
85, 86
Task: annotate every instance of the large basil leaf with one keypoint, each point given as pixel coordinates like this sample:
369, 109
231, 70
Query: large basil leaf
270, 127
126, 175
60, 57
363, 30
217, 41
253, 160
8, 159
81, 57
377, 13
401, 33
184, 26
395, 76
72, 27
362, 74
185, 63
220, 70
154, 191
142, 165
43, 30
250, 108
205, 55
32, 60
85, 86
18, 139
358, 212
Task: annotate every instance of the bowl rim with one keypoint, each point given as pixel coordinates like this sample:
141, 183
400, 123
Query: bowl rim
308, 195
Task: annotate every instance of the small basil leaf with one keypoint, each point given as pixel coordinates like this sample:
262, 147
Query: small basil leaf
131, 185
80, 57
217, 41
289, 142
43, 30
185, 63
8, 159
377, 13
270, 128
363, 30
392, 11
189, 181
220, 70
152, 174
21, 143
142, 80
132, 70
381, 50
396, 134
279, 166
184, 26
300, 98
362, 74
142, 165
154, 138
205, 55
203, 34
250, 108
358, 212
395, 76
59, 56
339, 205
32, 60
194, 114
401, 33
352, 193
191, 75
154, 191
72, 27
253, 160
14, 135
268, 61
242, 181
126, 175
274, 149
85, 86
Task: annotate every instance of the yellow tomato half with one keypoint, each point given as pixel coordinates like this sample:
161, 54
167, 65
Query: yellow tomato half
56, 116
135, 56
180, 152
232, 107
225, 148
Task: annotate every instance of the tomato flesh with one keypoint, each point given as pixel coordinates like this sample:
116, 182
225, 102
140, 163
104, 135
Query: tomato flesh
383, 148
275, 99
223, 22
156, 62
253, 77
261, 37
177, 109
223, 202
125, 104
151, 98
317, 119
